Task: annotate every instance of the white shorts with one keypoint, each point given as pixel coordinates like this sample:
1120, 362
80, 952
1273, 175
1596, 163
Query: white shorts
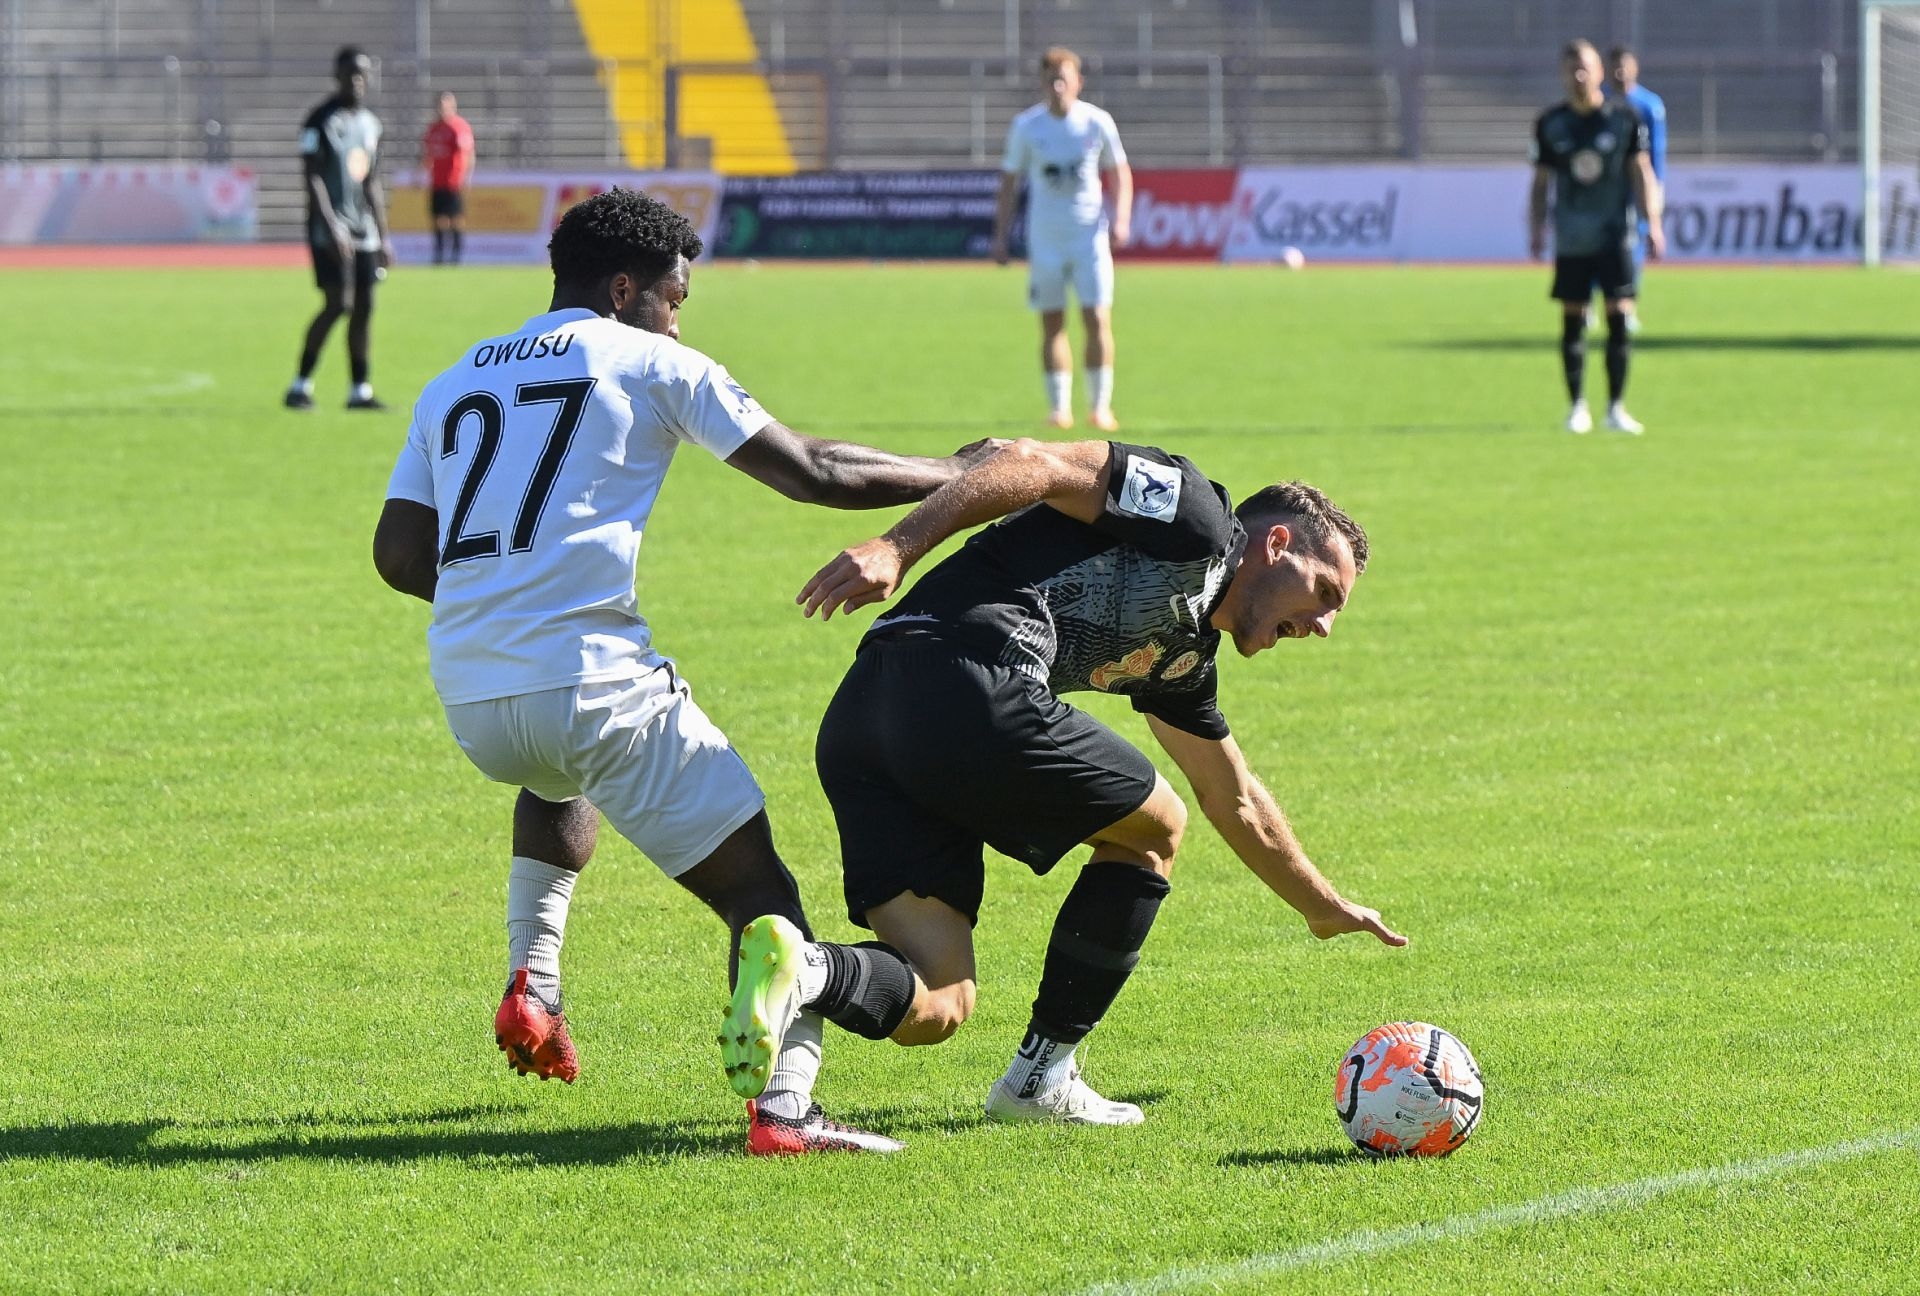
1085, 261
641, 750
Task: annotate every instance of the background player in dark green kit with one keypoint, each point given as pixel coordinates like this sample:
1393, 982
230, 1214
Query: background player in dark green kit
1592, 154
346, 224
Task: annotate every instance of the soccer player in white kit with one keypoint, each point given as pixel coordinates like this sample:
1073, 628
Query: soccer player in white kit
516, 508
1061, 147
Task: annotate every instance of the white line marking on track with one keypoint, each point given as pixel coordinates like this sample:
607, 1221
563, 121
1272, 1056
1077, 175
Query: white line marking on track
1576, 1201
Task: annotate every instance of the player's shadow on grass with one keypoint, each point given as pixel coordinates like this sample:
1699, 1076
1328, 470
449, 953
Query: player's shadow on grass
446, 1135
1653, 340
1296, 1156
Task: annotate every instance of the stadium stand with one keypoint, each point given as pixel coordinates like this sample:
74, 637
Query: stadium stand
775, 85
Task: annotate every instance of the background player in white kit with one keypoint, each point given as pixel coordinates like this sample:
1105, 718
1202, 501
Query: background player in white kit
516, 508
1061, 147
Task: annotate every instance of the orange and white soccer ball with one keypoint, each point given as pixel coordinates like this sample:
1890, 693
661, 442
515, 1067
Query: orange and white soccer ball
1408, 1089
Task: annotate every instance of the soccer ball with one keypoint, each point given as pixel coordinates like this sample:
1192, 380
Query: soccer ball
1293, 258
1408, 1089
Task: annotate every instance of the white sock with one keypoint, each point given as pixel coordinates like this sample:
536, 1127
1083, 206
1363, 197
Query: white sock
790, 1088
1100, 388
1060, 390
1039, 1065
361, 391
813, 972
302, 385
537, 899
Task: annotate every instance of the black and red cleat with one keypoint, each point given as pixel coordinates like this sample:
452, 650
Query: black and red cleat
770, 1135
533, 1036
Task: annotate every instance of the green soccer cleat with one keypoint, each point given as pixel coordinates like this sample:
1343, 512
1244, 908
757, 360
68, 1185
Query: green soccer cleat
766, 999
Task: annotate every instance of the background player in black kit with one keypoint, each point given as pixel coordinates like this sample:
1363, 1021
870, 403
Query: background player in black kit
1593, 154
948, 733
346, 225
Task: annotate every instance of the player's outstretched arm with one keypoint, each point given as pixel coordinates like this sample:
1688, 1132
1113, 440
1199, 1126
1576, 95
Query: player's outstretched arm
406, 548
1241, 809
1070, 475
846, 474
1651, 199
1537, 212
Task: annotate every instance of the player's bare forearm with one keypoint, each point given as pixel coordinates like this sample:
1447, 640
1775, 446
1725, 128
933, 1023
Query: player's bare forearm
844, 474
377, 204
1537, 211
1244, 813
1021, 473
1016, 475
1003, 213
1651, 198
1122, 204
406, 548
323, 205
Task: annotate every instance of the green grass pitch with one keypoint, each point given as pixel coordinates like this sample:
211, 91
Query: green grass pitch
1622, 732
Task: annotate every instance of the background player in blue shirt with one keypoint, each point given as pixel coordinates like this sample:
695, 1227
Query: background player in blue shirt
1623, 81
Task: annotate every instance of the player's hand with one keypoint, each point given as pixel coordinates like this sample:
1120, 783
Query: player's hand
1656, 243
1000, 256
1347, 918
866, 573
385, 256
974, 451
1121, 234
1537, 244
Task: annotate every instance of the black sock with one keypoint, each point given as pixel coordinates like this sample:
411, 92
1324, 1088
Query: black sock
1573, 352
869, 988
1096, 941
439, 246
457, 237
1619, 349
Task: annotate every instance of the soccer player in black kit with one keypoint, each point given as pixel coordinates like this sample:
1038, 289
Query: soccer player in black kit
1121, 572
1592, 154
346, 225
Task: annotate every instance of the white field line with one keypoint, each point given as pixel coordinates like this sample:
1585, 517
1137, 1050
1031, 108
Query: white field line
1576, 1201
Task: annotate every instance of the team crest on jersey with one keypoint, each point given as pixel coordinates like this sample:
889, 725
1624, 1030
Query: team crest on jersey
1150, 490
1604, 141
1181, 665
1136, 665
1586, 166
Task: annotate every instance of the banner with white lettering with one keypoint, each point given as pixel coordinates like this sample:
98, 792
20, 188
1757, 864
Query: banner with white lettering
1718, 212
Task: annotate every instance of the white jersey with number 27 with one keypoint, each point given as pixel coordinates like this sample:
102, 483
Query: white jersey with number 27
543, 452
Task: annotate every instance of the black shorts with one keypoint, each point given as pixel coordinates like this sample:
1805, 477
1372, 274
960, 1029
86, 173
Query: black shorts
928, 754
1611, 273
447, 202
330, 273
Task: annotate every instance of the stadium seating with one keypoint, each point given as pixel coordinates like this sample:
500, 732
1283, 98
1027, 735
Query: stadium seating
911, 83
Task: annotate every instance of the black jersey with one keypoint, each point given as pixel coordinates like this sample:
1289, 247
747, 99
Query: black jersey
1118, 606
1592, 156
344, 143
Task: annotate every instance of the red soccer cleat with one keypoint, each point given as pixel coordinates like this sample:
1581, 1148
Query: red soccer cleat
533, 1036
770, 1135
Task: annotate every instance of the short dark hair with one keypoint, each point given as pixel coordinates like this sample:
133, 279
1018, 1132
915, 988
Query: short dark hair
619, 230
1578, 47
349, 54
1619, 52
1315, 516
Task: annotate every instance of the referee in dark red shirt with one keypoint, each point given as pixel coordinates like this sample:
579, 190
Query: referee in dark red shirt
448, 148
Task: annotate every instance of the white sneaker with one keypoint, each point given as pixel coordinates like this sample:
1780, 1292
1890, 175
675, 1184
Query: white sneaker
1071, 1103
1618, 420
1578, 419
